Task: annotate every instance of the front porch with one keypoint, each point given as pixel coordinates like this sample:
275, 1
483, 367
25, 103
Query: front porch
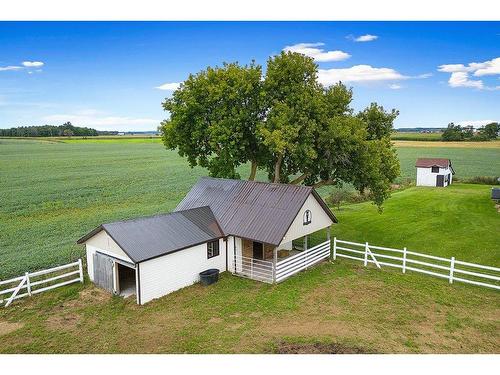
270, 264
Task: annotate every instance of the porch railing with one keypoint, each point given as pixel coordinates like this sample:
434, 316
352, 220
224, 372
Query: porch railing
256, 269
298, 262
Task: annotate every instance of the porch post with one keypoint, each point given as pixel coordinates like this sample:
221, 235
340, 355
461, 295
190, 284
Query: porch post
305, 242
275, 261
329, 239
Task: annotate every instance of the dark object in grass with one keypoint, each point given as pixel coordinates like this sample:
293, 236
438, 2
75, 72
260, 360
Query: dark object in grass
318, 348
210, 276
495, 194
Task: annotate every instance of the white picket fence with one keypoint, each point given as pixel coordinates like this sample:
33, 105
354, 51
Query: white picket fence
298, 262
33, 282
447, 268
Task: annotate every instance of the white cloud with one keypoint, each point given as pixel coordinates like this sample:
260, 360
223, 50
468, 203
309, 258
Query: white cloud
460, 73
365, 38
10, 67
359, 73
318, 54
172, 86
395, 86
461, 79
33, 64
100, 121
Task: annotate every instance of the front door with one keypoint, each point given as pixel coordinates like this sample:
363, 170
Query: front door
258, 250
440, 180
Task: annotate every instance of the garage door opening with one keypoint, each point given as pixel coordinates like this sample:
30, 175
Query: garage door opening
126, 280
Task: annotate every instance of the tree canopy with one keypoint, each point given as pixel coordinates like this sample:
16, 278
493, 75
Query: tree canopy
285, 123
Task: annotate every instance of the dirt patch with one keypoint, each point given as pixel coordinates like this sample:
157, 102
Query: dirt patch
7, 327
318, 348
215, 320
65, 322
89, 295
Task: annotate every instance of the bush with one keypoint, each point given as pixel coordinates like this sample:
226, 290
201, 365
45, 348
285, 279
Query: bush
480, 180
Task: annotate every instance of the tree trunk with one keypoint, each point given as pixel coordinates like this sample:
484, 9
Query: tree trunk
299, 179
253, 171
277, 168
323, 183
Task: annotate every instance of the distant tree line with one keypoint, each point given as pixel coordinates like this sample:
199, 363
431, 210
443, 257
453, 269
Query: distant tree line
466, 133
65, 130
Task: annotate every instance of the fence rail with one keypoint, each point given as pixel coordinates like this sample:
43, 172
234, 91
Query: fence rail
298, 262
256, 269
446, 268
33, 282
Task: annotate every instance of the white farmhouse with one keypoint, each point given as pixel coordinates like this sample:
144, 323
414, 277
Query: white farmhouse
244, 227
434, 172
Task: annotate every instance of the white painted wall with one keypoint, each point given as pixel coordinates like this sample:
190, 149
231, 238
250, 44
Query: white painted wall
232, 241
425, 177
319, 221
168, 273
102, 243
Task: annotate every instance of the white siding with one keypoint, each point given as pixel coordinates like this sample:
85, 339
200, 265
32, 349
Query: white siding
168, 273
425, 177
319, 221
231, 249
103, 243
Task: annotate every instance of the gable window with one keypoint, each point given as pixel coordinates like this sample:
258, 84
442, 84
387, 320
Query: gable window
212, 249
307, 217
435, 169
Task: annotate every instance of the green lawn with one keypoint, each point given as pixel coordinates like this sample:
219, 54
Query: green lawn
52, 192
458, 221
340, 304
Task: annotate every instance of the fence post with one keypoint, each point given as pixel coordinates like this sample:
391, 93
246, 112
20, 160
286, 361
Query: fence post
28, 283
329, 241
334, 248
404, 260
452, 268
80, 267
366, 254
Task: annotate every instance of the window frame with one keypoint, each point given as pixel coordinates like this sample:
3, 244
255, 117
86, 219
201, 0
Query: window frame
215, 250
433, 169
304, 217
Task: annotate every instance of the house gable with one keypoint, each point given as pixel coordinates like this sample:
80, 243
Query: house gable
103, 243
302, 225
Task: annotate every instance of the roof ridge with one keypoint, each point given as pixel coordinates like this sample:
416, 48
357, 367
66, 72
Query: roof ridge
257, 182
157, 215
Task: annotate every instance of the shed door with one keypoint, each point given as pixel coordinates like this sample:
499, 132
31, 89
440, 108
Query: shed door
440, 180
103, 272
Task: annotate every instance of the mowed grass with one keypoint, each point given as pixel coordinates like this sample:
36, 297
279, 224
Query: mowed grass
339, 303
459, 221
54, 191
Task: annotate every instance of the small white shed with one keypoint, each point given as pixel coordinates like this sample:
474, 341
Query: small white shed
434, 172
152, 256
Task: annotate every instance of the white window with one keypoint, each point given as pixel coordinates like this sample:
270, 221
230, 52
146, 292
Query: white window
307, 217
212, 249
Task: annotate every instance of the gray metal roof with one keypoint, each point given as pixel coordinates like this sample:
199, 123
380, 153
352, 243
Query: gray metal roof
250, 209
148, 237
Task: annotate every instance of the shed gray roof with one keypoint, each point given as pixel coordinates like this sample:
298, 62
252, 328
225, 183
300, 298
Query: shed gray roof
254, 210
148, 237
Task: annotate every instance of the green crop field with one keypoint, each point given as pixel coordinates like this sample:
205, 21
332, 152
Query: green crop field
52, 192
415, 136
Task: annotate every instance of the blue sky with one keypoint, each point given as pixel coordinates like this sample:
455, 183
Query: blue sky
106, 75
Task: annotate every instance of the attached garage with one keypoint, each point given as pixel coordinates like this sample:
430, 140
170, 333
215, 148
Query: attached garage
153, 256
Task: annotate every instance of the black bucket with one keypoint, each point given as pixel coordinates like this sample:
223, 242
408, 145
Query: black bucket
209, 276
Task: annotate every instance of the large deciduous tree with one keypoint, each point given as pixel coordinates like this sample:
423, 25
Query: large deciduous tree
214, 117
285, 123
